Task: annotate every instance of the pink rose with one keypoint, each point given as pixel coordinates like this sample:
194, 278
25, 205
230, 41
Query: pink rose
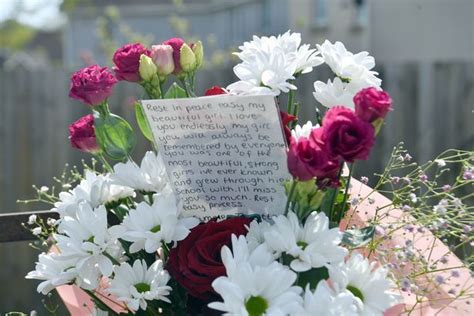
82, 134
346, 136
176, 43
372, 104
162, 56
308, 159
92, 85
127, 61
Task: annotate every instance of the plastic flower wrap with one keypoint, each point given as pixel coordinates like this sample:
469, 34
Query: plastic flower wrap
123, 234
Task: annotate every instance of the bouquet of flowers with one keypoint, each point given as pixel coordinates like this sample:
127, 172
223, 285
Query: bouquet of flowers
123, 237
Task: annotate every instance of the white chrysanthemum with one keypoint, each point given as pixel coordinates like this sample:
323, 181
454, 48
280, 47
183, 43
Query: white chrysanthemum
370, 286
53, 272
150, 176
87, 239
336, 92
312, 246
95, 189
269, 62
307, 59
251, 286
137, 284
148, 226
269, 70
349, 66
303, 131
255, 235
325, 301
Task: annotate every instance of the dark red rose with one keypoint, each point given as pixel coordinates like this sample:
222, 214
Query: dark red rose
196, 261
346, 136
176, 43
127, 61
92, 85
307, 158
215, 90
82, 134
285, 119
372, 104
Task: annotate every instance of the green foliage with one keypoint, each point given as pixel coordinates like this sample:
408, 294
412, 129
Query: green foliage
358, 237
15, 36
175, 92
306, 197
312, 277
143, 122
114, 135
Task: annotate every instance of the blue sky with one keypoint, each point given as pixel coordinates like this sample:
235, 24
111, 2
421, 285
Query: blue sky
40, 14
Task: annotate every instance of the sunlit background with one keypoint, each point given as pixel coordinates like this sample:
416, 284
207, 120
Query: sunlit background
424, 51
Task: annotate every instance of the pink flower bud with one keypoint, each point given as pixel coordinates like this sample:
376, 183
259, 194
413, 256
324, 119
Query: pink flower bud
372, 104
176, 43
92, 85
162, 56
82, 134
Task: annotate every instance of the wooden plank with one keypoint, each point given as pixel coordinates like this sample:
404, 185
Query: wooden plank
11, 228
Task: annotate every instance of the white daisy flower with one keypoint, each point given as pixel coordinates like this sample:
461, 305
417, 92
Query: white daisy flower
269, 69
269, 62
150, 176
325, 301
255, 235
53, 272
303, 131
349, 66
137, 284
370, 286
148, 226
307, 59
250, 287
95, 189
336, 92
312, 246
87, 239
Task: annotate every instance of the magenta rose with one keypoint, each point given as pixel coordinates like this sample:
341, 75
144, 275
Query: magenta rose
346, 136
82, 134
127, 61
372, 104
92, 85
196, 261
308, 159
176, 43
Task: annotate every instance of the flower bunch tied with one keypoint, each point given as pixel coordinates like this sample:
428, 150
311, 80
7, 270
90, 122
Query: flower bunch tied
122, 235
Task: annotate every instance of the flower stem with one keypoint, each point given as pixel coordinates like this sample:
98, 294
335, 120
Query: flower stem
105, 163
102, 304
290, 196
334, 193
114, 261
346, 192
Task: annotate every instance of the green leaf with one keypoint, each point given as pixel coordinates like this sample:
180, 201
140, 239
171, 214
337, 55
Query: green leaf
312, 277
143, 122
358, 237
306, 196
114, 135
175, 92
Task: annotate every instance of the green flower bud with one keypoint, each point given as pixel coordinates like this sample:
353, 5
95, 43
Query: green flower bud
147, 68
187, 58
199, 53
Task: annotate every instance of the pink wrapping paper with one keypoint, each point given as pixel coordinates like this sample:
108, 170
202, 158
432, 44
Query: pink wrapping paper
439, 303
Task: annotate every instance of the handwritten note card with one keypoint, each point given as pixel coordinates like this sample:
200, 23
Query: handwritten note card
224, 155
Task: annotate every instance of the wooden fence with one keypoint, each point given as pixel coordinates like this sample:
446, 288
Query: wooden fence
433, 105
